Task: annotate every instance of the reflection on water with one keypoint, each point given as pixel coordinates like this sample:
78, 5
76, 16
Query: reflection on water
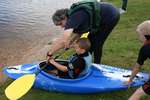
27, 16
24, 22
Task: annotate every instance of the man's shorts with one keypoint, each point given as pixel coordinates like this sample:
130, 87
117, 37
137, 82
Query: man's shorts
146, 87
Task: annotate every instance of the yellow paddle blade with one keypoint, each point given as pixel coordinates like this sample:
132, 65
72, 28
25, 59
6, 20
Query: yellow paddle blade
85, 35
20, 86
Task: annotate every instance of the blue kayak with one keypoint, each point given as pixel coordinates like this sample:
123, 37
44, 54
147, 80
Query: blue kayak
100, 78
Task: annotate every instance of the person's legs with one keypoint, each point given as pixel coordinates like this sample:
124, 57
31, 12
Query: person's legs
124, 4
137, 94
108, 22
97, 50
123, 8
99, 39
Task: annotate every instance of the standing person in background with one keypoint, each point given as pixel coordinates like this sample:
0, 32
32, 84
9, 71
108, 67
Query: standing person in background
144, 35
123, 9
82, 18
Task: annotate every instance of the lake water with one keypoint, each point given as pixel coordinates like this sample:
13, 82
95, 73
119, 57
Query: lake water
25, 24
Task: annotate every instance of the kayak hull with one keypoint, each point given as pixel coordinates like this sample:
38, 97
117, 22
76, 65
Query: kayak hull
101, 78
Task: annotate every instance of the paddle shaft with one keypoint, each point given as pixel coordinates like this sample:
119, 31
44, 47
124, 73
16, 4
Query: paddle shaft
44, 66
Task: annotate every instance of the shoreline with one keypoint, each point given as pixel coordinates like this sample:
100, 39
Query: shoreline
14, 52
21, 53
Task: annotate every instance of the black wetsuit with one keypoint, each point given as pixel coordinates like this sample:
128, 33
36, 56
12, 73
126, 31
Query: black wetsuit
81, 19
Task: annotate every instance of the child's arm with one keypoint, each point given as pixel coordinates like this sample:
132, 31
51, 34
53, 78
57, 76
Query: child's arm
58, 66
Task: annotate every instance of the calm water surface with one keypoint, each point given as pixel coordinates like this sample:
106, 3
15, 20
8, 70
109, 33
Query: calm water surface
18, 17
26, 22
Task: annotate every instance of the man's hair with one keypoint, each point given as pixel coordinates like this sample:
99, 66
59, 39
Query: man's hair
84, 43
59, 15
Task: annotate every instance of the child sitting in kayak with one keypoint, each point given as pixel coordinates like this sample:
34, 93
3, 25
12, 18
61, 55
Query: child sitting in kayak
79, 63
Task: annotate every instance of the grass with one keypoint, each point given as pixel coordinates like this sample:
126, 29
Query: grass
120, 49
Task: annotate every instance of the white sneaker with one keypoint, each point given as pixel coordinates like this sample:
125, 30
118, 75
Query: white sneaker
122, 11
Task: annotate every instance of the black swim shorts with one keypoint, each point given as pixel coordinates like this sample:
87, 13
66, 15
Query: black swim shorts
146, 87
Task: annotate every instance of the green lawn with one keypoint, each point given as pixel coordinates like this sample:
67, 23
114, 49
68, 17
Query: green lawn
121, 49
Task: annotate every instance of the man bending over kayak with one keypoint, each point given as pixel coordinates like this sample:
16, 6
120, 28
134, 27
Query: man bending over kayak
99, 19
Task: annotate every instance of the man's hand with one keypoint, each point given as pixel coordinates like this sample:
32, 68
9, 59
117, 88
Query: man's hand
128, 83
67, 44
49, 55
52, 61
